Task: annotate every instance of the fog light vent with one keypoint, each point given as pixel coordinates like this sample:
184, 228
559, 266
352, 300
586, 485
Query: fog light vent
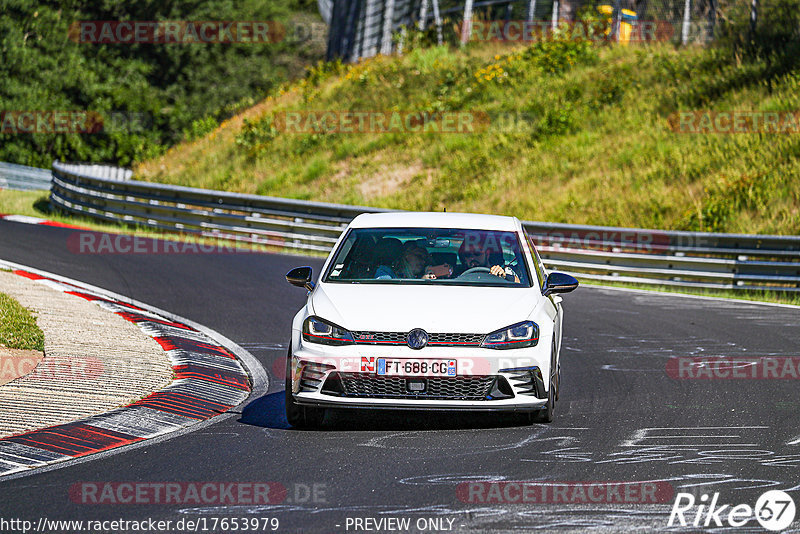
527, 381
312, 375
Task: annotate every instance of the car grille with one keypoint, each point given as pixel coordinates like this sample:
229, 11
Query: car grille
470, 388
399, 338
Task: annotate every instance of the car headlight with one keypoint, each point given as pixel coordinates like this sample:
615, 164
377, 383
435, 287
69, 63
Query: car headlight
520, 335
315, 330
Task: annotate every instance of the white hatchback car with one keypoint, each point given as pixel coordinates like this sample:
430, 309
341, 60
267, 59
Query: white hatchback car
439, 311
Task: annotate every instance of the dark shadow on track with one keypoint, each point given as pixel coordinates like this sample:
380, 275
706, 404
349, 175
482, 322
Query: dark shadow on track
269, 411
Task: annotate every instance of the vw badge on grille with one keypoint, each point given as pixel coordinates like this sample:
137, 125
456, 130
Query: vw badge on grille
417, 338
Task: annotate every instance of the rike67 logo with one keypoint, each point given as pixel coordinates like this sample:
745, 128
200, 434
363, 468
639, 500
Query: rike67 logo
774, 510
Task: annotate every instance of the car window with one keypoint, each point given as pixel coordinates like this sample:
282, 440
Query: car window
429, 255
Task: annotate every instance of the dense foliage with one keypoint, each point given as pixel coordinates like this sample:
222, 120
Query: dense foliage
149, 95
776, 35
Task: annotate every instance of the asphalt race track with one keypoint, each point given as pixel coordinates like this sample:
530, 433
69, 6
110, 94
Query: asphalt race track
621, 416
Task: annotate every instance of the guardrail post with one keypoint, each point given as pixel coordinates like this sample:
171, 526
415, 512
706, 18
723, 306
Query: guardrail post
437, 20
388, 23
531, 10
554, 21
687, 20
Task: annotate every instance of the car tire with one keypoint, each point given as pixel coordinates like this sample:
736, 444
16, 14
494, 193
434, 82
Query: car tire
299, 416
558, 380
545, 415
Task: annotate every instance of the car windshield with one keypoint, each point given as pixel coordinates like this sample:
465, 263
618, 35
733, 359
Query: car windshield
429, 256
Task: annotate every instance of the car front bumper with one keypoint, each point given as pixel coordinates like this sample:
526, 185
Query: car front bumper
514, 380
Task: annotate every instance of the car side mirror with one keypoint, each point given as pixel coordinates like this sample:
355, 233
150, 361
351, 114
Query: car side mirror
559, 283
301, 277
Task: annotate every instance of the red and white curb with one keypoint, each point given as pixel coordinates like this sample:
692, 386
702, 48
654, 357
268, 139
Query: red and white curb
208, 381
27, 219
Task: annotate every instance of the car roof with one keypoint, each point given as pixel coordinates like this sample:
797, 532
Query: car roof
416, 219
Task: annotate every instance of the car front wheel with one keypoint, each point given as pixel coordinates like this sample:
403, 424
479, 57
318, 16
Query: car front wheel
545, 415
299, 416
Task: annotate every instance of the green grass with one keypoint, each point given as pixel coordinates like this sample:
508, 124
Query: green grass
579, 134
21, 202
759, 296
18, 328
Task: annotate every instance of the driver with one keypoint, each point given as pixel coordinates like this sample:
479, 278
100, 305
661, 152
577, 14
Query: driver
474, 255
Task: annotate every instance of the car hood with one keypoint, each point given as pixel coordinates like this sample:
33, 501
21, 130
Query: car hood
442, 309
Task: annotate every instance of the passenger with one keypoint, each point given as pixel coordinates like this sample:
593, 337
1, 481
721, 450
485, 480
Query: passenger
474, 255
388, 253
413, 262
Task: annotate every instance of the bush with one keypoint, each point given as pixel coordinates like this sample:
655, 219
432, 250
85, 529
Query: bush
199, 128
256, 134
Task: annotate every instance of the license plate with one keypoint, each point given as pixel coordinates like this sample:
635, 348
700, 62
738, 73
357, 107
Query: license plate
415, 367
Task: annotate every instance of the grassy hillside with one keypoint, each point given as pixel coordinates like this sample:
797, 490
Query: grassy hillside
591, 142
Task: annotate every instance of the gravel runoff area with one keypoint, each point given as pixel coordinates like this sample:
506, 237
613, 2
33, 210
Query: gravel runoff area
94, 361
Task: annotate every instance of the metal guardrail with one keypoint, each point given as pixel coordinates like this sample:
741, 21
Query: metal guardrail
22, 178
310, 226
684, 259
99, 171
